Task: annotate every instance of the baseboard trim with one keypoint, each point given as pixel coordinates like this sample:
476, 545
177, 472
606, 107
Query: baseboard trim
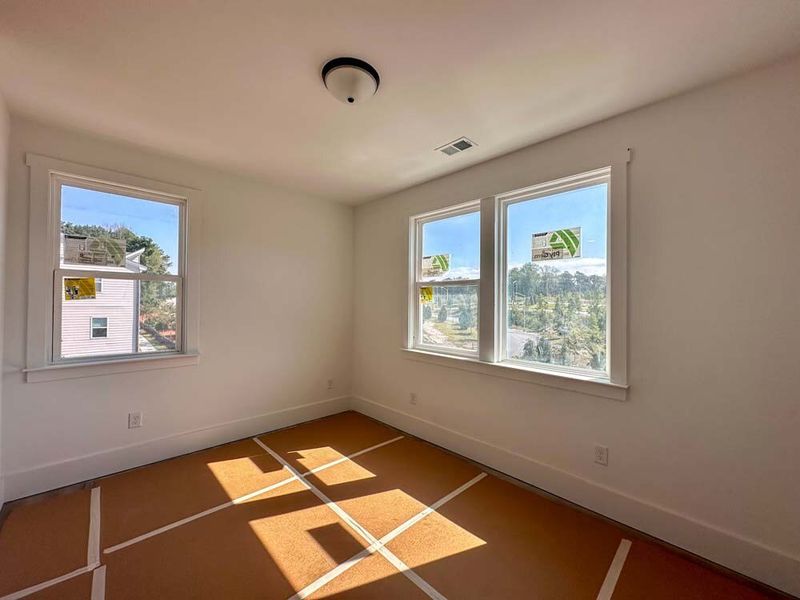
42, 478
746, 556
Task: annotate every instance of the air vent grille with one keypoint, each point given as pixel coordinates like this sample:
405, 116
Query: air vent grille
456, 146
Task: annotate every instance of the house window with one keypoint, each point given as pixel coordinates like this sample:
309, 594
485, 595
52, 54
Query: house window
554, 310
447, 281
111, 244
544, 295
139, 257
99, 327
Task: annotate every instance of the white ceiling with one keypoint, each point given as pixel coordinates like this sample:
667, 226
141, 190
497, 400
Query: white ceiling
236, 83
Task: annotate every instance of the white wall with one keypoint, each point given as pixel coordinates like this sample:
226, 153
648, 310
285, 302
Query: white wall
275, 325
705, 453
4, 135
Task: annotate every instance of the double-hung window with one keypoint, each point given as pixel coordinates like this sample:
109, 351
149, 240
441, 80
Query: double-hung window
133, 240
99, 327
545, 301
447, 280
108, 250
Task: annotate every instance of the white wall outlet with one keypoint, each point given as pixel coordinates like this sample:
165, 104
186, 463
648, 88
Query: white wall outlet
134, 420
601, 455
412, 398
330, 384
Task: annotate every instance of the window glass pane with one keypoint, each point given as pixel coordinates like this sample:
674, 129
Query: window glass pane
142, 317
158, 317
451, 248
106, 231
557, 279
450, 316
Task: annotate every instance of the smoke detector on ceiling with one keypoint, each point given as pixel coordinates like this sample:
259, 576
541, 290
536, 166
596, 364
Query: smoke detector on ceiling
456, 146
350, 80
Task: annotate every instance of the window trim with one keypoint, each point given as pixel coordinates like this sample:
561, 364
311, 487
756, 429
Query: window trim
92, 336
492, 302
46, 177
415, 321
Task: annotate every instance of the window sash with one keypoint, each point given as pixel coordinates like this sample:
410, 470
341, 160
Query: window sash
58, 292
60, 179
419, 282
544, 190
419, 222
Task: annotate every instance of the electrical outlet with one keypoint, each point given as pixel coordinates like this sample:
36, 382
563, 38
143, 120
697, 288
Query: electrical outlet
412, 399
601, 455
134, 420
330, 384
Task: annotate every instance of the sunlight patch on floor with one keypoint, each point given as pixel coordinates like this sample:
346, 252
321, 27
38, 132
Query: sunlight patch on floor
292, 540
346, 472
240, 476
314, 457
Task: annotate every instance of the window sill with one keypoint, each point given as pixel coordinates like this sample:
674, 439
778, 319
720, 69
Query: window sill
573, 383
108, 367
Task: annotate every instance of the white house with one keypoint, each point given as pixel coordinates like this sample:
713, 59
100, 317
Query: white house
108, 323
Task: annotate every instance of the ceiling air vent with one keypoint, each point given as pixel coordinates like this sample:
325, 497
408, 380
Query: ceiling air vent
456, 146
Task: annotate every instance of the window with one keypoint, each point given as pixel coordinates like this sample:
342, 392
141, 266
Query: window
114, 245
139, 257
447, 273
99, 327
544, 296
556, 302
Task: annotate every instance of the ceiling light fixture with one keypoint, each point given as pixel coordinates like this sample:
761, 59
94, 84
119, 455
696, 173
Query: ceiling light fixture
350, 80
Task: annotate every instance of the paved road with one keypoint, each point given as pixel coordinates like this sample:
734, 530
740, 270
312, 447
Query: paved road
515, 340
145, 345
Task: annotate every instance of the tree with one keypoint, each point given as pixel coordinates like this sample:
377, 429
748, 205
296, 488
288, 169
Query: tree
566, 282
540, 350
442, 316
154, 258
465, 318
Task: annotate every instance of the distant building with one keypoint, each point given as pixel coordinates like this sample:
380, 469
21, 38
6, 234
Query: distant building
109, 323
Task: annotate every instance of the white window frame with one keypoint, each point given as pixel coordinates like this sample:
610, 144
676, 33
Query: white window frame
98, 285
492, 293
416, 333
92, 336
565, 184
45, 273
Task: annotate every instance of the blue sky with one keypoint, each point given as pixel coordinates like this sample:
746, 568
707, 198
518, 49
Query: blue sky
156, 220
585, 208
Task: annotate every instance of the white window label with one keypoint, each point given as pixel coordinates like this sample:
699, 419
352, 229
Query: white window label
556, 245
95, 251
433, 266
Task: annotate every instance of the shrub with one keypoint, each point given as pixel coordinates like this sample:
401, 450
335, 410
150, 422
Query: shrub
442, 316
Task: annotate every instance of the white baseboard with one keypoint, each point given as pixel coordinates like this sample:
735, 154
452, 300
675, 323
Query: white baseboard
19, 484
746, 556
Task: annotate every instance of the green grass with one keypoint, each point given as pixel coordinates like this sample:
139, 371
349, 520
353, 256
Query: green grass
465, 338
